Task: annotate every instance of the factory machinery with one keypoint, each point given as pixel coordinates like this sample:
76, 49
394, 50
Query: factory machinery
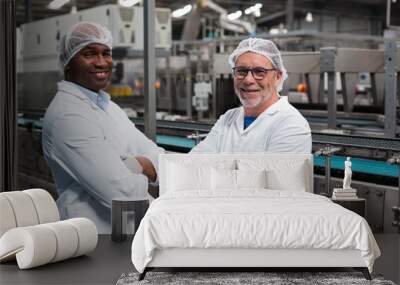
194, 78
358, 77
197, 82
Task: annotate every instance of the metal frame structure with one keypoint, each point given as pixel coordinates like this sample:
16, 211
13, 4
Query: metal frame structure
8, 98
149, 70
328, 66
389, 9
392, 68
349, 61
307, 64
327, 152
396, 209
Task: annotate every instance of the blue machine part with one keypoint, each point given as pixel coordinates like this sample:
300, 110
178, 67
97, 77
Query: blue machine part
360, 165
34, 123
175, 141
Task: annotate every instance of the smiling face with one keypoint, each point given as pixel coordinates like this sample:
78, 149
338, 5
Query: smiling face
91, 67
256, 95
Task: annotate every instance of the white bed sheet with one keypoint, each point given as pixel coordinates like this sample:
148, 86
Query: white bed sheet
252, 218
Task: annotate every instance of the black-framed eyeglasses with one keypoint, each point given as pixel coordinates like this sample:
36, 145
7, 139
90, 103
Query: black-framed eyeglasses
258, 73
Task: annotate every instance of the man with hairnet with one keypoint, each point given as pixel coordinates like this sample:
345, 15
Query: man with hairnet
265, 122
94, 151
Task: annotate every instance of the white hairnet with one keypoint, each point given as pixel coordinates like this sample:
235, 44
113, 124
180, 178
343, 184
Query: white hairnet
263, 47
80, 35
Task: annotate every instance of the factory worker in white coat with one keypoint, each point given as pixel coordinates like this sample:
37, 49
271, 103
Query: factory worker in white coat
265, 122
94, 151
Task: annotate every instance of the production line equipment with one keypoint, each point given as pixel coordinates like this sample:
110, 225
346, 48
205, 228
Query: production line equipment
195, 80
347, 89
332, 76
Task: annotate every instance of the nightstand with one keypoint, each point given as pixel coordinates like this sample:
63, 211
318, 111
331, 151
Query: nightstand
357, 205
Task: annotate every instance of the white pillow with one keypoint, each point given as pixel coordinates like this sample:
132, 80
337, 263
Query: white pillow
194, 174
223, 179
251, 179
291, 177
184, 177
226, 180
280, 174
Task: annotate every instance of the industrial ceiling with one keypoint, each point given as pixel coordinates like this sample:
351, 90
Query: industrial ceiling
31, 10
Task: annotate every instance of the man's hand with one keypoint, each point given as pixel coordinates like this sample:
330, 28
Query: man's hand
148, 168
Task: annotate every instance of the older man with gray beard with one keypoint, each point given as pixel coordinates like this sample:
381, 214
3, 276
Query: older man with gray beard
265, 122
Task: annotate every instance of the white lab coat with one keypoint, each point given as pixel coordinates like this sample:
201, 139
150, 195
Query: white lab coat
280, 128
84, 146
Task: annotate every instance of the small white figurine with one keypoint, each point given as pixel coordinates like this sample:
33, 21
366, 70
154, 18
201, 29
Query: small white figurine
347, 174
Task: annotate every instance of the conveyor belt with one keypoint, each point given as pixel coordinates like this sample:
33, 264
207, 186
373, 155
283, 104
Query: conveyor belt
317, 137
366, 166
173, 141
346, 121
357, 141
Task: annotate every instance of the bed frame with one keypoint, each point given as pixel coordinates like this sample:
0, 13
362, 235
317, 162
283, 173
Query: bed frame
256, 258
242, 258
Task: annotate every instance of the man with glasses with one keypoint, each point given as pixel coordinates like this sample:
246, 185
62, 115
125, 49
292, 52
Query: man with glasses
265, 122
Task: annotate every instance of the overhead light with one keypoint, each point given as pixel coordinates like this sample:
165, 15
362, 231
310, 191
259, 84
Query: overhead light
57, 4
394, 1
309, 17
255, 9
182, 11
128, 3
234, 16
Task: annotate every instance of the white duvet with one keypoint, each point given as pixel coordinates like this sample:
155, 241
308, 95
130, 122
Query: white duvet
250, 219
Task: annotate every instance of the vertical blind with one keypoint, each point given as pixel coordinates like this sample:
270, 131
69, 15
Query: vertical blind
8, 96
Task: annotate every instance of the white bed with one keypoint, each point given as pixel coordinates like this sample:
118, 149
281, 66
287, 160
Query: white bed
247, 210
